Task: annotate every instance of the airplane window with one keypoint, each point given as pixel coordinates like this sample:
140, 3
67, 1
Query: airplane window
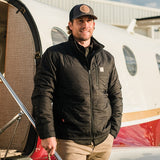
158, 60
58, 35
130, 60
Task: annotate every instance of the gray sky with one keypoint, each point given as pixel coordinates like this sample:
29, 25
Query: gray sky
146, 3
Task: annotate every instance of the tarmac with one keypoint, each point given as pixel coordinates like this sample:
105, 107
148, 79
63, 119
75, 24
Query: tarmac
135, 153
118, 153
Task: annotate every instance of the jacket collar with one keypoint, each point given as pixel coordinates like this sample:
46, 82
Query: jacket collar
94, 42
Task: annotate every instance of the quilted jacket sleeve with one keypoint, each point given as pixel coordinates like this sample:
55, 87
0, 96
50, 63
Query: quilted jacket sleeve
42, 97
115, 96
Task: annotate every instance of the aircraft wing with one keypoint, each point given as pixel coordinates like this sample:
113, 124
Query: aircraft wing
148, 21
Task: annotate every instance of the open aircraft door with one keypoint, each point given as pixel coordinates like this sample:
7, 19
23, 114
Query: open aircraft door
19, 47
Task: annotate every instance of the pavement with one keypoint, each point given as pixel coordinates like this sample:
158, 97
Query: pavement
118, 153
135, 153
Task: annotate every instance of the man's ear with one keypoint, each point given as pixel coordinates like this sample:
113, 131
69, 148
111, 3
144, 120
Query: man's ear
70, 24
94, 24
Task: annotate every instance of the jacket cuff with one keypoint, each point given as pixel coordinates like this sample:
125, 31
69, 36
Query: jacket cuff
45, 132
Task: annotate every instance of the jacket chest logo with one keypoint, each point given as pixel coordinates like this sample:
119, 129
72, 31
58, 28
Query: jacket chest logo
101, 69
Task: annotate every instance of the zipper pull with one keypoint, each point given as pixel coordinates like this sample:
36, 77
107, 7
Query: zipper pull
92, 143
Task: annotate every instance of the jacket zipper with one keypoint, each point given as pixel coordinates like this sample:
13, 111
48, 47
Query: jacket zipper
91, 97
91, 102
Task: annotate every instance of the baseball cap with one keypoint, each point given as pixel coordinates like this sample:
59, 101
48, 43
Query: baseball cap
81, 10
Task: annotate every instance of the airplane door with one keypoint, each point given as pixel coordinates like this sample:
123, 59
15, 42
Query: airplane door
17, 59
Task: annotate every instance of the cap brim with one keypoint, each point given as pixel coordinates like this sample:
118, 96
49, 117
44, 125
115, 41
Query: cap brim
94, 17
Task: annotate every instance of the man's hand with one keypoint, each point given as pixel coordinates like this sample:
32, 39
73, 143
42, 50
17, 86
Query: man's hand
49, 144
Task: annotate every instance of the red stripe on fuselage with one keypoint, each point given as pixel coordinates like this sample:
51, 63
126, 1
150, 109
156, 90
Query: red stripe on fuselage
145, 134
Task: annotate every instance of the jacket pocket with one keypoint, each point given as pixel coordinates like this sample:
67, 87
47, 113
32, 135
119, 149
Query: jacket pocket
97, 76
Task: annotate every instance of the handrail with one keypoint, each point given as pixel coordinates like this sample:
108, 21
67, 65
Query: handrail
22, 107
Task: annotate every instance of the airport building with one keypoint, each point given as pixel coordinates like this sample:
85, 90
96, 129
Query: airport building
117, 14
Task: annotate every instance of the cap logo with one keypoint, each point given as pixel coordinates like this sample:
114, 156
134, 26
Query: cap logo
84, 9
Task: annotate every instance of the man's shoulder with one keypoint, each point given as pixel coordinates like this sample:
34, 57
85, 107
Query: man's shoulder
59, 47
103, 50
56, 50
108, 54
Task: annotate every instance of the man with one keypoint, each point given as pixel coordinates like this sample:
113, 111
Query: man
80, 79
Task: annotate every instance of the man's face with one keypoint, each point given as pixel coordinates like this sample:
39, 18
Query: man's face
82, 28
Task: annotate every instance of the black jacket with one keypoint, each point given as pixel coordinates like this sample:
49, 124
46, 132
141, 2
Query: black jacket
86, 94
